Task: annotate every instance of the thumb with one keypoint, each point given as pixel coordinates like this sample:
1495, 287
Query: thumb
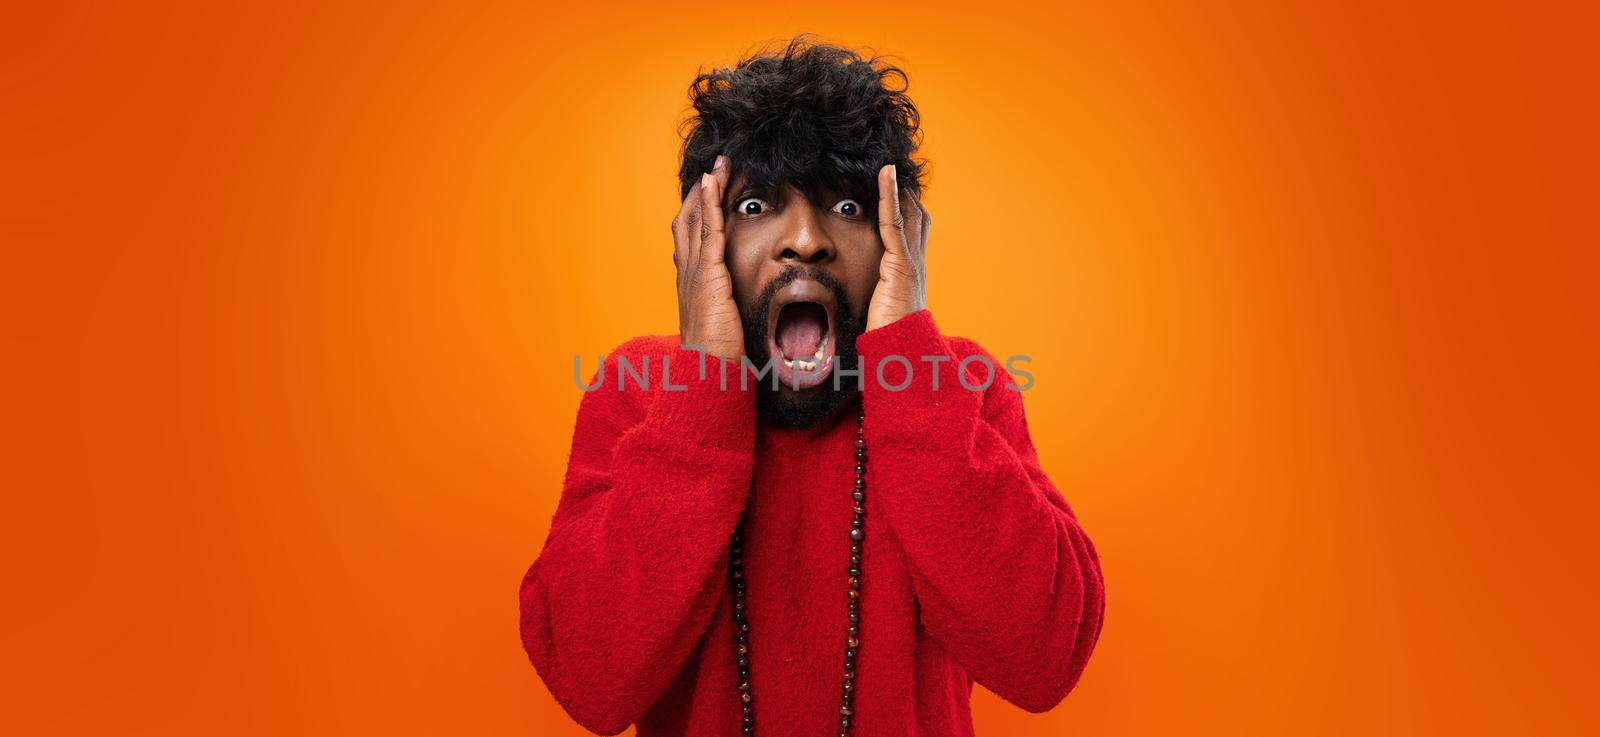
891, 222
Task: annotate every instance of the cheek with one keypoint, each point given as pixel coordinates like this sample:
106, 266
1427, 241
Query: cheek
744, 257
860, 262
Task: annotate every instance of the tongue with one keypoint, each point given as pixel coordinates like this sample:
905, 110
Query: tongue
800, 328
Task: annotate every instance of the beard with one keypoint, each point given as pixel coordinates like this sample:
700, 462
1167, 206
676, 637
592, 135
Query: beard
788, 407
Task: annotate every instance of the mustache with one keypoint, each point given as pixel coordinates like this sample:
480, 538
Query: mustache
791, 273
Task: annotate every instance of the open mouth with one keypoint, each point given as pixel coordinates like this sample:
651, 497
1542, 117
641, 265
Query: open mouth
802, 336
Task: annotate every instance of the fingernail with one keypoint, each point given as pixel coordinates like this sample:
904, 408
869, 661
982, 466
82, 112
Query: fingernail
721, 163
894, 174
705, 181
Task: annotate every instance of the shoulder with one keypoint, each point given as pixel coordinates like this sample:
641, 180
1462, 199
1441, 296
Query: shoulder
963, 348
621, 382
641, 346
1003, 379
977, 361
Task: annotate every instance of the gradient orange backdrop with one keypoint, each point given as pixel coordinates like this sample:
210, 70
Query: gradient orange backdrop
291, 295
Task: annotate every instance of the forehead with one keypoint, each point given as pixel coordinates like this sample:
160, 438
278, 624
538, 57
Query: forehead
741, 180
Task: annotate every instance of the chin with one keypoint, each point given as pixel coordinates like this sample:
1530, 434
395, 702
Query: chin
804, 408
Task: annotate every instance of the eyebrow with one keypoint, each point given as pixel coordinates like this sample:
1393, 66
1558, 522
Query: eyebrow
746, 189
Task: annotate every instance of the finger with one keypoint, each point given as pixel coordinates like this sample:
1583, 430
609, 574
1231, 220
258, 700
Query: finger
719, 173
922, 240
924, 222
721, 170
927, 218
712, 243
891, 223
927, 225
911, 219
694, 226
681, 230
914, 223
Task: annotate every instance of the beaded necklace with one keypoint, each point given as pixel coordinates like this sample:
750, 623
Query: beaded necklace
741, 632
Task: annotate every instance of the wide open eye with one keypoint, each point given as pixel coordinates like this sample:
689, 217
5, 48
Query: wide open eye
848, 208
751, 206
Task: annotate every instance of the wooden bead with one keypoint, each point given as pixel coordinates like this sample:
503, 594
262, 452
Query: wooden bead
742, 626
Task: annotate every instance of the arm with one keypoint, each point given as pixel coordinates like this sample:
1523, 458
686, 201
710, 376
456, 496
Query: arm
1006, 579
633, 567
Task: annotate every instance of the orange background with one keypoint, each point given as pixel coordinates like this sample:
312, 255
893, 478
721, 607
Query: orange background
291, 296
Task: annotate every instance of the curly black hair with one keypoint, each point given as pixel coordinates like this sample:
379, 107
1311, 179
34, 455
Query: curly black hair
814, 115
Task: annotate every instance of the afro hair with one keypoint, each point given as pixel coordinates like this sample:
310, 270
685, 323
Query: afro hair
815, 116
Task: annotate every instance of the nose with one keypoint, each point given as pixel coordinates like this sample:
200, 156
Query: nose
804, 238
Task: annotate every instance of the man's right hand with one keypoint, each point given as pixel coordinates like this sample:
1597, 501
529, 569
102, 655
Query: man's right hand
707, 316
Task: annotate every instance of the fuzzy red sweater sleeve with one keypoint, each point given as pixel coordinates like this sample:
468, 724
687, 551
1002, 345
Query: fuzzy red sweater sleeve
1007, 581
631, 571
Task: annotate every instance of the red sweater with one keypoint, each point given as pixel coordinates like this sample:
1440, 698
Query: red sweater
974, 567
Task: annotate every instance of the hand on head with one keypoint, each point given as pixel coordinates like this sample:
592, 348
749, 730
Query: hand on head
708, 317
902, 273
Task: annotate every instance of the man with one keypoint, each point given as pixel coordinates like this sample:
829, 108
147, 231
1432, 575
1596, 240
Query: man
844, 552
